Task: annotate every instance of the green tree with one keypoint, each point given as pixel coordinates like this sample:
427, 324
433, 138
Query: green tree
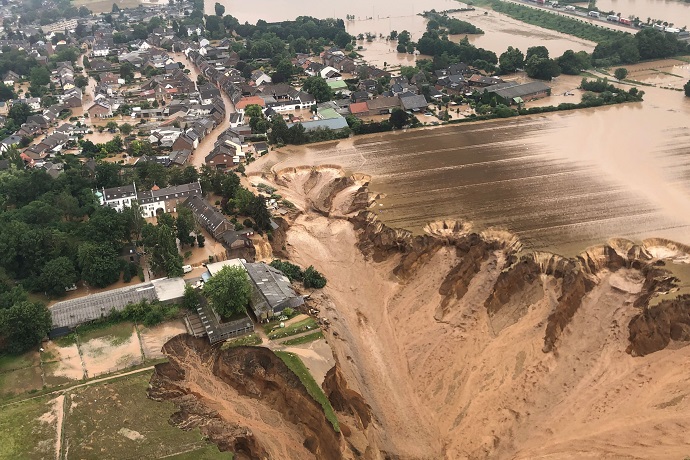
99, 264
81, 81
511, 60
253, 110
6, 93
39, 76
399, 118
165, 258
541, 68
220, 9
126, 129
538, 51
24, 325
111, 125
191, 298
313, 279
620, 73
317, 87
228, 291
184, 225
19, 113
57, 275
572, 63
342, 39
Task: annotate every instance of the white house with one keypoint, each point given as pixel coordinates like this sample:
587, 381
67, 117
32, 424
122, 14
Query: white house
330, 74
152, 202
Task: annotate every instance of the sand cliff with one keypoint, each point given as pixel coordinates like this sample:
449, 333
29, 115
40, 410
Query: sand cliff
458, 344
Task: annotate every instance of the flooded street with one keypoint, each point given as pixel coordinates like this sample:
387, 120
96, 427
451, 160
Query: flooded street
561, 182
206, 145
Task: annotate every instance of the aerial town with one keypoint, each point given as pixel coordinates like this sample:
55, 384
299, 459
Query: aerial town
425, 230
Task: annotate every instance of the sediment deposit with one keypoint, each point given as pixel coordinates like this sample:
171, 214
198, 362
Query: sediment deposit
457, 344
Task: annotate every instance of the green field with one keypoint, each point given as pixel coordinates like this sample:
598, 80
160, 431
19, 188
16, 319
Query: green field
297, 366
308, 324
108, 420
115, 419
304, 339
244, 341
19, 374
26, 431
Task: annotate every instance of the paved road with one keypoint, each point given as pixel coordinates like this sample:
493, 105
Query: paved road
602, 22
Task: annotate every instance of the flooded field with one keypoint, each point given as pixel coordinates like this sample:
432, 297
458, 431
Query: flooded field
501, 31
561, 182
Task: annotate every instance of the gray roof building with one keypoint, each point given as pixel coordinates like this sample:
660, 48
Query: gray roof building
271, 291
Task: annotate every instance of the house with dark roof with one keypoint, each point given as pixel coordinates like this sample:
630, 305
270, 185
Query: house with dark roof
413, 102
212, 220
271, 291
513, 93
383, 105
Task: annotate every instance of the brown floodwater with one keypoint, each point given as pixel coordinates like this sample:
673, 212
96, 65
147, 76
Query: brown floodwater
501, 31
561, 182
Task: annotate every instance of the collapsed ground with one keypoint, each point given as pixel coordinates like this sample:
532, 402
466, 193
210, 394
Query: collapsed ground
465, 348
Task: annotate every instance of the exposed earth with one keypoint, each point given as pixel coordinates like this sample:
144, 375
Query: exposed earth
453, 344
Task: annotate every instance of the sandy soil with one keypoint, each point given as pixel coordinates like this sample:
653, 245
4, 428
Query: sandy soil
457, 383
102, 355
317, 356
153, 339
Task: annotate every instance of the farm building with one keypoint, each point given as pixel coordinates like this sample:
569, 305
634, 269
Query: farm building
514, 93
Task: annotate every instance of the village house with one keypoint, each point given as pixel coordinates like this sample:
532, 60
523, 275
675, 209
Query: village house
100, 109
152, 202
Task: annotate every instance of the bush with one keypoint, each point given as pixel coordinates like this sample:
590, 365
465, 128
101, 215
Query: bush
313, 279
292, 271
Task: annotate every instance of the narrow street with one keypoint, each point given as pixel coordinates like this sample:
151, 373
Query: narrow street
205, 146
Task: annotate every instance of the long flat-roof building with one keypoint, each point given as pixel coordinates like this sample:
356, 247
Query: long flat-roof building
73, 312
515, 93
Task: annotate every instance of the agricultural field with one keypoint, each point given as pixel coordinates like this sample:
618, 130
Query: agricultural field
90, 352
112, 419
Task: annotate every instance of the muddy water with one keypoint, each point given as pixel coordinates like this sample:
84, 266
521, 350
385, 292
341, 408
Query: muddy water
280, 10
674, 11
561, 182
501, 31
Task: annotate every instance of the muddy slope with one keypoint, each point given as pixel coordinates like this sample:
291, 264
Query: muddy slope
244, 399
457, 344
464, 346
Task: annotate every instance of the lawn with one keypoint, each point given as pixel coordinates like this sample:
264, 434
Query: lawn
304, 339
19, 374
296, 328
115, 419
116, 334
297, 366
244, 341
27, 430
